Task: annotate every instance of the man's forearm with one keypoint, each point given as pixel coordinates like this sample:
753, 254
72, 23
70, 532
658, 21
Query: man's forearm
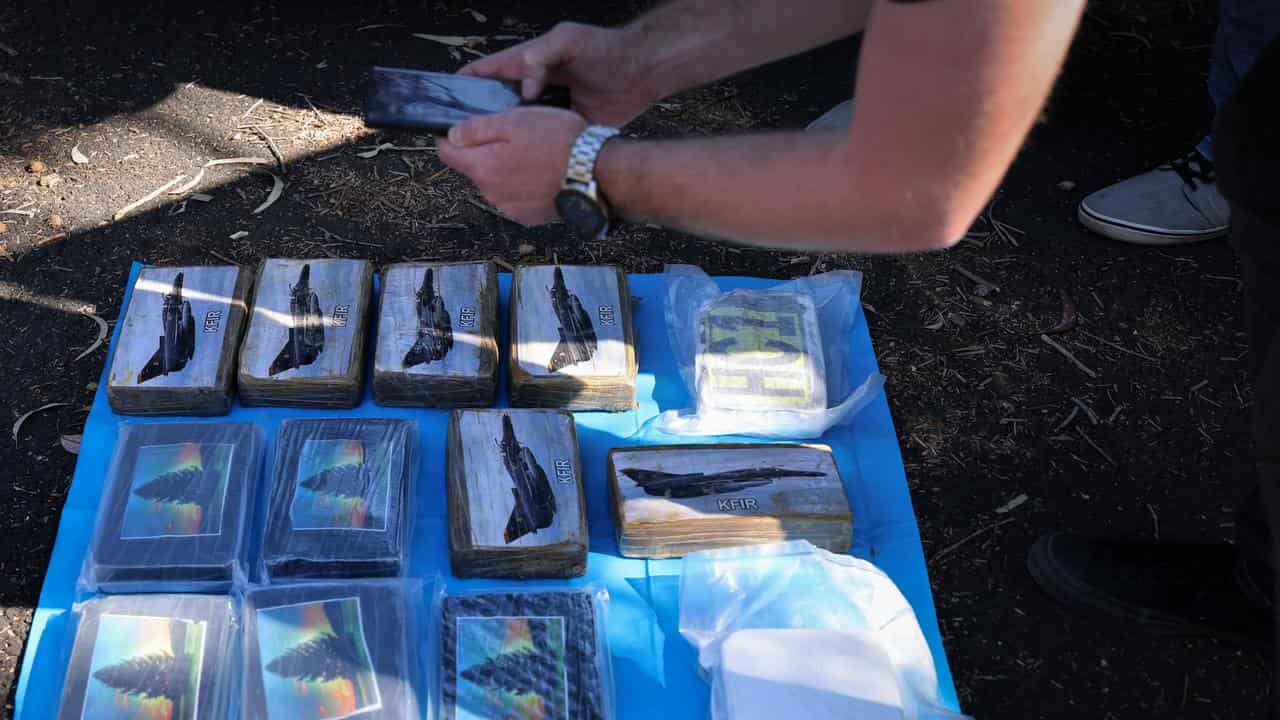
686, 43
779, 190
947, 91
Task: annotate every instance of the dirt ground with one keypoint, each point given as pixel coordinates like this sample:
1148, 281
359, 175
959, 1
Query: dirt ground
1003, 437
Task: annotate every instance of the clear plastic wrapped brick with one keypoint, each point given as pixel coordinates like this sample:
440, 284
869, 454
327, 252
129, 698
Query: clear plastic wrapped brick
338, 502
330, 651
175, 509
525, 654
151, 656
772, 362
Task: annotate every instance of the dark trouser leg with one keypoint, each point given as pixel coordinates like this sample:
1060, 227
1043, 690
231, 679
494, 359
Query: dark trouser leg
1247, 148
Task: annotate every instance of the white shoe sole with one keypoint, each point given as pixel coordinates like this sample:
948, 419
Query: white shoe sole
1137, 235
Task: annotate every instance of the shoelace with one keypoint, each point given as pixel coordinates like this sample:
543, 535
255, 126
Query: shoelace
1193, 168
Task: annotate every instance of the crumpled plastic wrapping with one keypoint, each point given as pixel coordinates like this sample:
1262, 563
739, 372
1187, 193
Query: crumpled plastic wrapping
796, 586
771, 363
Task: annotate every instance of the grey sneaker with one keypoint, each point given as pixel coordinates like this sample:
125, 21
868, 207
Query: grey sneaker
837, 117
1173, 204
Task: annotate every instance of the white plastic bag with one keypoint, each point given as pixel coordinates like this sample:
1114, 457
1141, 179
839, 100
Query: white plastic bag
771, 363
794, 585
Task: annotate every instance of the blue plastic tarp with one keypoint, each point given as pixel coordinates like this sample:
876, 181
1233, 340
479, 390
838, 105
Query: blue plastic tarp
654, 669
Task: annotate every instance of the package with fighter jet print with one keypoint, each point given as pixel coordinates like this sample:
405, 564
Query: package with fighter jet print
774, 362
572, 345
335, 651
176, 354
338, 499
539, 654
176, 509
151, 656
516, 506
671, 500
305, 343
437, 335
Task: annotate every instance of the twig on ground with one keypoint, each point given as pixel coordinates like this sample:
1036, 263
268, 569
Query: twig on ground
1155, 519
338, 238
491, 211
976, 278
1012, 504
503, 264
1094, 445
124, 212
1074, 411
1122, 349
1068, 355
222, 257
251, 109
952, 547
314, 110
17, 424
102, 335
373, 150
1093, 417
271, 145
21, 209
277, 188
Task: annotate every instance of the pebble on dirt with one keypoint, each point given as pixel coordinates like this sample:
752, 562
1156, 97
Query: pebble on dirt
3, 227
35, 166
49, 180
56, 221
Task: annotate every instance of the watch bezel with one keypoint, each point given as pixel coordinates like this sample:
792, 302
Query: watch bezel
601, 223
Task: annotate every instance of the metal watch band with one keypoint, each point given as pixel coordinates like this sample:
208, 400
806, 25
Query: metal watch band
582, 156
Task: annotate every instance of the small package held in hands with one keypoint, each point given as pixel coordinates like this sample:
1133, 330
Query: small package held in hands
525, 654
333, 651
151, 656
338, 502
789, 627
766, 363
175, 509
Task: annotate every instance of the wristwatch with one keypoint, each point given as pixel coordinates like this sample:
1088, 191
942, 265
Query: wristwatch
579, 201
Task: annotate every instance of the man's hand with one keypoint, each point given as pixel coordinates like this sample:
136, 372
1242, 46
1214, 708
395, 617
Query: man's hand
517, 159
598, 65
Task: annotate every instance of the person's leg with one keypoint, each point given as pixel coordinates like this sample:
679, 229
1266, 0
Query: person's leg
1197, 588
1247, 143
1179, 202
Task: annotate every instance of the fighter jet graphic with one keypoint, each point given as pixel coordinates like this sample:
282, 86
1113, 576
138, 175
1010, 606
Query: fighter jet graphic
688, 485
535, 503
577, 334
178, 343
306, 331
435, 327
